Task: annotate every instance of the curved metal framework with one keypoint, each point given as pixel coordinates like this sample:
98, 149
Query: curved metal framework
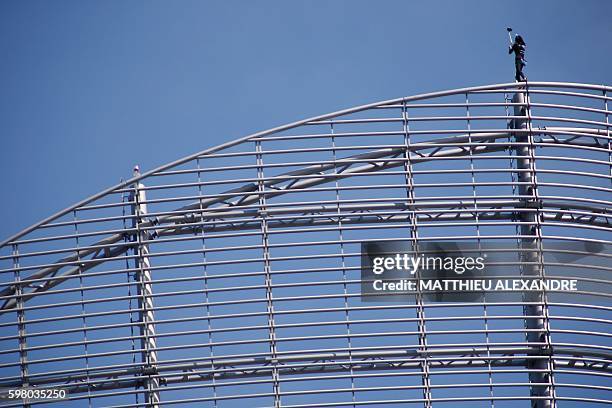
231, 277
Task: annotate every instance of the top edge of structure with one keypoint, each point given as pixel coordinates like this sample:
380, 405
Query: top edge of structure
511, 87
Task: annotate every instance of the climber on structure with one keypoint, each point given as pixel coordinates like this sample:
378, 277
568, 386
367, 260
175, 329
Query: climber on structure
518, 47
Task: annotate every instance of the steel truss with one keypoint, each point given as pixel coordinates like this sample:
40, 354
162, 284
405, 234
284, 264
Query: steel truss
418, 150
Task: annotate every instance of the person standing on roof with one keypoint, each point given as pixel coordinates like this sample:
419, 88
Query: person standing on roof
518, 47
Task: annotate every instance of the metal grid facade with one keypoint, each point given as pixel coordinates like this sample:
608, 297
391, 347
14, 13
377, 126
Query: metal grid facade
230, 278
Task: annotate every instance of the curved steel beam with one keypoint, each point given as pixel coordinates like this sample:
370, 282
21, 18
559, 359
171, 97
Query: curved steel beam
509, 87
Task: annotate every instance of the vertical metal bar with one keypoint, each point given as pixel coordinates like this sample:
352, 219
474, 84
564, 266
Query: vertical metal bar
535, 309
145, 299
205, 281
21, 324
343, 260
420, 310
261, 188
83, 311
129, 281
478, 239
605, 95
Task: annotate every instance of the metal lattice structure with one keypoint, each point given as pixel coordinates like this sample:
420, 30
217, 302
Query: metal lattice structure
231, 277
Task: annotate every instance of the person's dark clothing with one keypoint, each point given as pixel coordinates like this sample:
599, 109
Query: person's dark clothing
519, 65
519, 60
518, 49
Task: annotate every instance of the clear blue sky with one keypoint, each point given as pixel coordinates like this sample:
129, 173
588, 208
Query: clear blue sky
88, 89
